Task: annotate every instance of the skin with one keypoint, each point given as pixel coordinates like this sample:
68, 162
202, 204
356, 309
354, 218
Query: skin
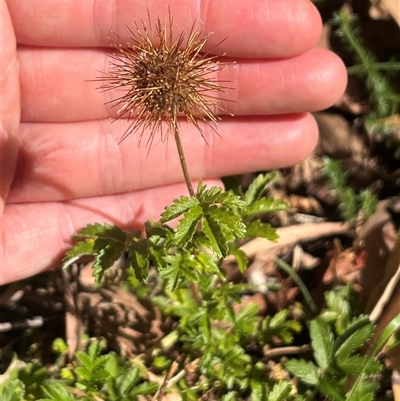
62, 166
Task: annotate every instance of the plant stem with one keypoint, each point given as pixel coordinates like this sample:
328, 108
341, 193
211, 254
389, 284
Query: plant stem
379, 66
183, 162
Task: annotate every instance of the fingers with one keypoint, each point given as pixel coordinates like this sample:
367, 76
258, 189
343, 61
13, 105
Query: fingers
9, 102
36, 236
255, 28
55, 85
69, 161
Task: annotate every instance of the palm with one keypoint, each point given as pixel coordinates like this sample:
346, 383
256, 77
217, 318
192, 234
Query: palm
70, 169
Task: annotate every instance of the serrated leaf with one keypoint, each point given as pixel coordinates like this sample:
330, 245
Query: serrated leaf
264, 230
139, 259
354, 337
159, 235
103, 241
208, 263
77, 251
100, 361
306, 371
230, 222
246, 319
215, 235
108, 252
178, 266
157, 256
13, 390
84, 359
217, 196
392, 327
280, 391
57, 392
258, 186
187, 226
279, 318
82, 373
362, 390
322, 342
265, 206
356, 365
98, 230
100, 375
329, 388
178, 207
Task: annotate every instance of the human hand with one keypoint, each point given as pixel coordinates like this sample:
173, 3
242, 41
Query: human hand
62, 166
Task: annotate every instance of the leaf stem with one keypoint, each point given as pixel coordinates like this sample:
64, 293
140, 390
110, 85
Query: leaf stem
183, 162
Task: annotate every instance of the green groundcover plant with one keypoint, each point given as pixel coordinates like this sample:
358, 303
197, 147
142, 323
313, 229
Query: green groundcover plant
222, 346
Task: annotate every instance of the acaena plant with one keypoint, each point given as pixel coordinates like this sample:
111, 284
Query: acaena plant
163, 78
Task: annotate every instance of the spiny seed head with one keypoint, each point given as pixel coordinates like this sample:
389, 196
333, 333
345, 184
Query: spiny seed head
162, 77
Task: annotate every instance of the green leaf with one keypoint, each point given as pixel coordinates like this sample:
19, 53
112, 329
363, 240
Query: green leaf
187, 226
280, 391
357, 365
83, 373
144, 389
94, 349
230, 396
138, 253
332, 390
78, 250
392, 328
355, 336
240, 256
216, 195
338, 309
85, 360
178, 207
258, 186
363, 390
259, 391
208, 264
214, 233
231, 223
265, 206
108, 253
99, 375
104, 241
264, 230
57, 392
322, 342
127, 381
98, 230
179, 266
279, 318
13, 390
306, 371
245, 321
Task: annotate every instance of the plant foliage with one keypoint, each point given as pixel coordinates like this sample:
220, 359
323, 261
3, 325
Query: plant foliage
384, 100
352, 205
210, 221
